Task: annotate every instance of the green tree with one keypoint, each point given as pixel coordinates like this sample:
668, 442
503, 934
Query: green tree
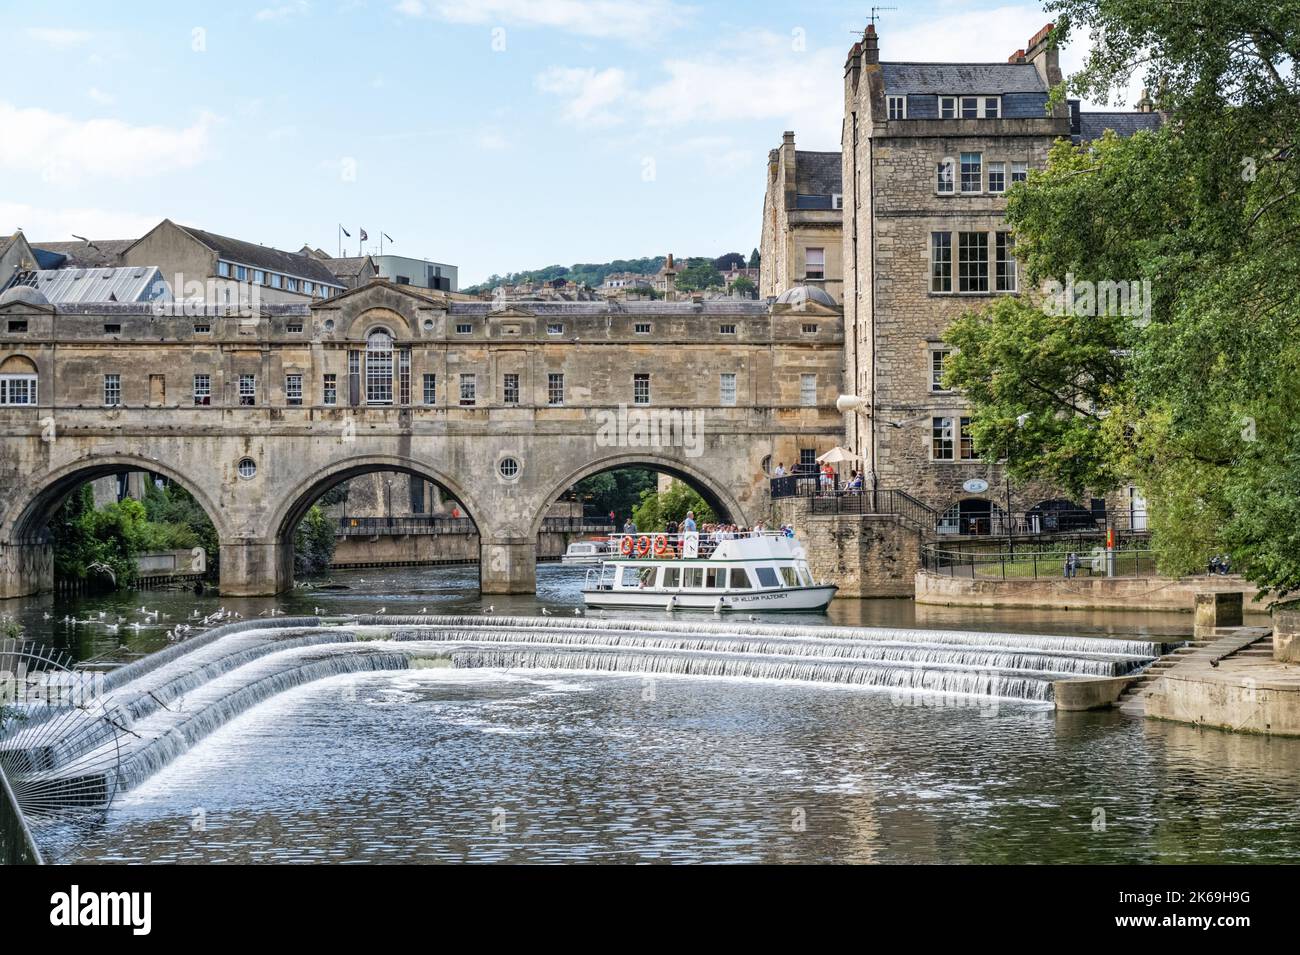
698, 275
754, 259
1195, 399
744, 286
313, 542
656, 509
618, 491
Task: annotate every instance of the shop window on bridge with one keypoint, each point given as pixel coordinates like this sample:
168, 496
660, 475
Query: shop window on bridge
807, 460
17, 389
379, 369
18, 381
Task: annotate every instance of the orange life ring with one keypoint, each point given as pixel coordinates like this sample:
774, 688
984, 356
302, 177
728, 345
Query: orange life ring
642, 546
626, 546
661, 545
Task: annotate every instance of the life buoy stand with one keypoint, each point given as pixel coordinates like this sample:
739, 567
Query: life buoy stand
642, 546
626, 546
661, 545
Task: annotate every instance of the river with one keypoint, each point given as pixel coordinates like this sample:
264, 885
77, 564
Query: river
547, 766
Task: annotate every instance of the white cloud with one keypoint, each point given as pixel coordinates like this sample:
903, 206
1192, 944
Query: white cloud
100, 97
282, 12
757, 76
63, 149
59, 225
623, 19
491, 139
588, 93
57, 38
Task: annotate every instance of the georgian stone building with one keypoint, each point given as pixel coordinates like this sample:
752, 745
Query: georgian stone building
929, 152
802, 222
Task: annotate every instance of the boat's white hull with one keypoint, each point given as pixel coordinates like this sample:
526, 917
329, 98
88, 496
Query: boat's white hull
782, 599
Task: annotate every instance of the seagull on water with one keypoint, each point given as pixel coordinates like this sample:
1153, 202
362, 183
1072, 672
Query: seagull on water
577, 611
545, 612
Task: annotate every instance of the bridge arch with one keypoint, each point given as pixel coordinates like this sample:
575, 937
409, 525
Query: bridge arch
33, 510
295, 502
718, 496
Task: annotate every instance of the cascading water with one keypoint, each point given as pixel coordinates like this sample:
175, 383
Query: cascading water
159, 707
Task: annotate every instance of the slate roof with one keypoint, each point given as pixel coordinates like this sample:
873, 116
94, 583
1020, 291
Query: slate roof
346, 267
1092, 125
955, 78
817, 174
80, 255
264, 257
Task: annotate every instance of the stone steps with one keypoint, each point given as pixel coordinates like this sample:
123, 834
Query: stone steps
1227, 643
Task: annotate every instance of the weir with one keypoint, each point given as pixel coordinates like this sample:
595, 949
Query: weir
155, 709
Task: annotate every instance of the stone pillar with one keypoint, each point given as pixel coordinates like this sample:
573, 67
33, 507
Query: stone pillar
26, 569
1214, 610
508, 567
255, 568
1286, 635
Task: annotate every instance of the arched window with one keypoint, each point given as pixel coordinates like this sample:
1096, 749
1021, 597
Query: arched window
18, 381
379, 368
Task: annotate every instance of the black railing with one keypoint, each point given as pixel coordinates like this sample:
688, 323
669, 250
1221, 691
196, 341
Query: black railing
443, 524
825, 497
1030, 561
414, 524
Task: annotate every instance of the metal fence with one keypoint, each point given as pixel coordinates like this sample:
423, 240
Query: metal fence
17, 845
1030, 561
1036, 522
441, 524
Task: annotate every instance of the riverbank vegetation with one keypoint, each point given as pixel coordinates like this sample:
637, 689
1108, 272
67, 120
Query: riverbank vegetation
1191, 392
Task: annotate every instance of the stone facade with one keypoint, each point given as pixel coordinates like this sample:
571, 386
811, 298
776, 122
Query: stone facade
866, 555
897, 310
801, 211
256, 455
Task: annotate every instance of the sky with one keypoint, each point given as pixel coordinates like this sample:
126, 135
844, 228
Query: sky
495, 135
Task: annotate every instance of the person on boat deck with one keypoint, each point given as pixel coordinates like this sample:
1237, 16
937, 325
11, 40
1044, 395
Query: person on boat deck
688, 525
629, 527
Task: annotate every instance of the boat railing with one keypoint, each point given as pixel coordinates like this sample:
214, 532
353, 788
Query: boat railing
650, 544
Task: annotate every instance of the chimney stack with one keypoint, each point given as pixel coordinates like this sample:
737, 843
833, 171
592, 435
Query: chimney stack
870, 45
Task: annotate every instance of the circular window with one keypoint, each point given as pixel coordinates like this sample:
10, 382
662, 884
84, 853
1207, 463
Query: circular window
329, 324
428, 324
767, 465
247, 468
509, 468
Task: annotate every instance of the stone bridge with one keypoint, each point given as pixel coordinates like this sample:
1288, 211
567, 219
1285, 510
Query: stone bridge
505, 407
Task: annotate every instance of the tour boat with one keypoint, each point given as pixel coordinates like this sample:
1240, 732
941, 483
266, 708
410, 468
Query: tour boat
587, 552
691, 571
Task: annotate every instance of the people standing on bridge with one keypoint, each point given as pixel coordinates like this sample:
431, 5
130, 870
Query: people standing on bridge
780, 469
